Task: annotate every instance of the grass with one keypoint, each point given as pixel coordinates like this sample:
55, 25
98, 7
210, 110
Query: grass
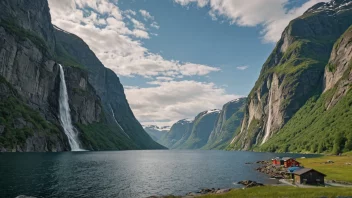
64, 58
100, 136
338, 170
285, 192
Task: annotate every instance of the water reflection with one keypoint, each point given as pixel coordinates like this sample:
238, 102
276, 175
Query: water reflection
125, 173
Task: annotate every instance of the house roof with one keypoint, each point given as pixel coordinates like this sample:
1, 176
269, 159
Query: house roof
305, 170
286, 158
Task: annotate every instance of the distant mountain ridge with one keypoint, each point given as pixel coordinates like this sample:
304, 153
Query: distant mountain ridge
211, 129
156, 132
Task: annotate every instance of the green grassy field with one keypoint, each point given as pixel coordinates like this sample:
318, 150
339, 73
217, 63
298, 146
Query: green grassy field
338, 170
285, 192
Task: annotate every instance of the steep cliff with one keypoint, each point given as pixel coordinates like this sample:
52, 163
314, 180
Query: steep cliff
323, 124
226, 124
293, 73
118, 114
178, 131
28, 67
30, 81
202, 126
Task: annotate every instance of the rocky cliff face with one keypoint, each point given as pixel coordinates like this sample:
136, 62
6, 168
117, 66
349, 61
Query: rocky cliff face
323, 124
117, 111
28, 66
29, 55
338, 71
293, 73
226, 124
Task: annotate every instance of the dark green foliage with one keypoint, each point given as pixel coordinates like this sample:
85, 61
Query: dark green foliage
24, 34
228, 131
64, 58
20, 121
339, 143
315, 128
99, 136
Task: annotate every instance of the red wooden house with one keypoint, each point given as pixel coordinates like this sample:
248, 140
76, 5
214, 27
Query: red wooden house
276, 161
289, 162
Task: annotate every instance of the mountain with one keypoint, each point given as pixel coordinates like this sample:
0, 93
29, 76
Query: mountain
226, 124
212, 129
178, 131
291, 82
203, 125
191, 134
119, 116
31, 50
156, 132
323, 124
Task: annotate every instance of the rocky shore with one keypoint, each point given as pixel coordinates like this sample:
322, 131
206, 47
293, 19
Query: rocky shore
206, 191
277, 172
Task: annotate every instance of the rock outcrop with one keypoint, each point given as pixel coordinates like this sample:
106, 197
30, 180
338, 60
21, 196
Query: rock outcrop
338, 71
293, 73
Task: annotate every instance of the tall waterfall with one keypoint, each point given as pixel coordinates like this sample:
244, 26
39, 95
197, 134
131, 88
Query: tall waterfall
65, 116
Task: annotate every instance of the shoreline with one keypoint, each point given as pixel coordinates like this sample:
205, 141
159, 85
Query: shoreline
278, 174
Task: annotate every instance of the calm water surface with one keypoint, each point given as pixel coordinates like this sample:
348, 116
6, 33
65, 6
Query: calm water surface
125, 173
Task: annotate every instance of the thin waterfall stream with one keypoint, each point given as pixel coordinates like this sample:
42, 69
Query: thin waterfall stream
65, 116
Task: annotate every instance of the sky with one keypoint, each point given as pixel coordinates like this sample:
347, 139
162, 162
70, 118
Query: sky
177, 58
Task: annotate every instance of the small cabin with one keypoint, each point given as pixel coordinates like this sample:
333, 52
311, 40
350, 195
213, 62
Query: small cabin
276, 161
289, 162
308, 176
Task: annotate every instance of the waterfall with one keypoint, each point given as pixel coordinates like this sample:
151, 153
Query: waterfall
113, 115
65, 116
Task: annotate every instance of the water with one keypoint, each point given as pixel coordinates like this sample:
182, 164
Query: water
125, 174
65, 116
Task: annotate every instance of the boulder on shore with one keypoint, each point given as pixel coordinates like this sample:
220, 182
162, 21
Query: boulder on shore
250, 184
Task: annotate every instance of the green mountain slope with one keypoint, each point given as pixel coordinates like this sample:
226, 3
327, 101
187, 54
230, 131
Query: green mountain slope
293, 73
323, 124
203, 125
227, 122
178, 133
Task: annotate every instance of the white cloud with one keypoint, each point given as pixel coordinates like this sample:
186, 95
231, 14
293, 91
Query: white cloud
130, 12
137, 24
120, 49
200, 3
172, 100
155, 25
116, 45
146, 15
244, 67
271, 14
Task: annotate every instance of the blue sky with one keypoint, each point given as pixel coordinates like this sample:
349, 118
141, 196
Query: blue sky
177, 58
189, 34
